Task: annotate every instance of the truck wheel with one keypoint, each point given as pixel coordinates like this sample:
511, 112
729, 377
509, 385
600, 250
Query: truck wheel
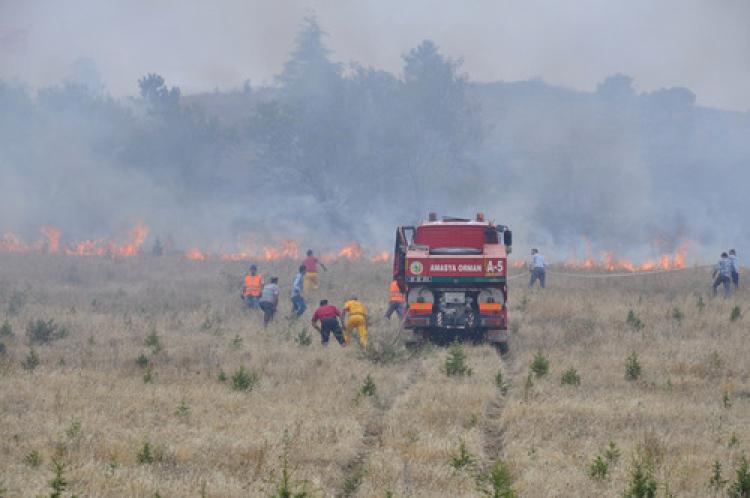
502, 347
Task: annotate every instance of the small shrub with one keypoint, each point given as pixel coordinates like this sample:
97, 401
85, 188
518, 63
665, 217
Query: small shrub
243, 381
634, 321
148, 376
183, 410
142, 360
455, 363
733, 441
368, 387
642, 483
153, 341
717, 481
303, 338
31, 361
16, 302
222, 376
632, 367
539, 365
111, 467
212, 323
497, 482
570, 378
285, 486
528, 387
612, 453
59, 483
726, 400
740, 488
463, 458
381, 353
500, 382
236, 343
41, 332
74, 430
352, 484
599, 468
33, 459
6, 330
677, 315
146, 455
736, 314
523, 303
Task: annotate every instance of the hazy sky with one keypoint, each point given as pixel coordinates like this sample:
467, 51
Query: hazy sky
199, 45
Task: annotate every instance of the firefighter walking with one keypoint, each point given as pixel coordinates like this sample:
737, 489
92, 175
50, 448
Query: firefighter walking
328, 316
355, 317
252, 287
396, 301
536, 266
312, 280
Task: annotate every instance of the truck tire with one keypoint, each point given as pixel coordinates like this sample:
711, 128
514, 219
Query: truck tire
502, 347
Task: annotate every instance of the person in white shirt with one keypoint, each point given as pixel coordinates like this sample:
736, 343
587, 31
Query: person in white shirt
536, 266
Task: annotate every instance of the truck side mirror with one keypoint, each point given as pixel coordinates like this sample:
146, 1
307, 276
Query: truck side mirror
508, 240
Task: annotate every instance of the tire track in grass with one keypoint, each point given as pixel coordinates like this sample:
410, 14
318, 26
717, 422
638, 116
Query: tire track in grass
492, 430
355, 469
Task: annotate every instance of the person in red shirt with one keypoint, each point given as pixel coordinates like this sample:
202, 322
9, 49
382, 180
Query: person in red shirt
312, 281
328, 316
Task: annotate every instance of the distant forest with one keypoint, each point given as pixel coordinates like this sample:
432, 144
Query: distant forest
333, 152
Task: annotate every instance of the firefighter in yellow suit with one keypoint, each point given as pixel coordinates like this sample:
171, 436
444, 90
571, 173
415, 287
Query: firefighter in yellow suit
355, 317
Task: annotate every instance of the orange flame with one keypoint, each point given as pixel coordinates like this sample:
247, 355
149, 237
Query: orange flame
353, 251
52, 234
100, 247
381, 257
610, 262
195, 255
12, 243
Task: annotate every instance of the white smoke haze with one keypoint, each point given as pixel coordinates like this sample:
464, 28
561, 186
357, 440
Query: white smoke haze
621, 125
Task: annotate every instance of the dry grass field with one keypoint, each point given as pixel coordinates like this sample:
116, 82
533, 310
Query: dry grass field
169, 427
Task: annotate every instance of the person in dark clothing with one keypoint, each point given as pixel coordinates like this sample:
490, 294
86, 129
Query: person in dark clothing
735, 268
328, 316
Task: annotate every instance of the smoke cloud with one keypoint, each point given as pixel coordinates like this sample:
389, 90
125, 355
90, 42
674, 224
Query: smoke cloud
332, 129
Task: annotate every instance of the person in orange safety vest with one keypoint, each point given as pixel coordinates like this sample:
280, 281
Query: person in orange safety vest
252, 287
396, 301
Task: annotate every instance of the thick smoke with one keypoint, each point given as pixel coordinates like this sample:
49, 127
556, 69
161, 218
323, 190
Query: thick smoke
329, 153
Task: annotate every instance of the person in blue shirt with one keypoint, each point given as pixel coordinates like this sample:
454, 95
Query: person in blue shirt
536, 266
298, 302
735, 268
723, 275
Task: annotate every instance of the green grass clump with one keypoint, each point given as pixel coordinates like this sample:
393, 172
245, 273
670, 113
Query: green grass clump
43, 332
243, 381
455, 364
539, 365
570, 378
632, 367
634, 321
463, 458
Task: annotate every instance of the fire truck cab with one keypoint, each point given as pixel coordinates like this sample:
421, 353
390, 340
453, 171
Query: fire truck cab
453, 272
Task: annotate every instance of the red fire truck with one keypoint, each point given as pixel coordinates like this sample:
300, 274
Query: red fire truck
453, 272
